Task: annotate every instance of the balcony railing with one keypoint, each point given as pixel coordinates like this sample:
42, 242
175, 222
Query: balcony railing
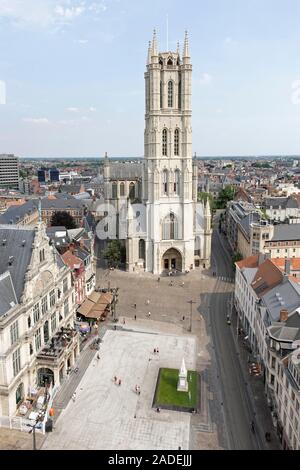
59, 344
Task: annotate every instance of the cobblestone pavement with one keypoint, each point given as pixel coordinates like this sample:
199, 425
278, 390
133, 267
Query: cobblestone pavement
11, 439
108, 416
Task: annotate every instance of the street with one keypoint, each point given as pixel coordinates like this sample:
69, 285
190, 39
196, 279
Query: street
237, 409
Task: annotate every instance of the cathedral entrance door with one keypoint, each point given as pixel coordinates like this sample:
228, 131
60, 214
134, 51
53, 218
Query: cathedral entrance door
172, 259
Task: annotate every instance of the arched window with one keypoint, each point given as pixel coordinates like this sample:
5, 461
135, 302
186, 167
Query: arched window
114, 190
170, 94
122, 189
165, 182
131, 191
170, 227
142, 249
161, 94
170, 63
179, 95
161, 62
177, 182
164, 142
176, 142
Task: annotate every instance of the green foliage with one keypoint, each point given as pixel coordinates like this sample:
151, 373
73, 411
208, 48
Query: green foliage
227, 194
63, 219
261, 165
167, 394
237, 257
202, 197
114, 253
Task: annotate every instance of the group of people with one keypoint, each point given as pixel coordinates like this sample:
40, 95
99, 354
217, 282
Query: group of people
117, 381
137, 389
155, 351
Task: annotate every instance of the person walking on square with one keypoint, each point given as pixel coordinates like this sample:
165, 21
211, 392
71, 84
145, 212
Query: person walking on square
157, 351
74, 397
149, 314
119, 382
154, 351
135, 317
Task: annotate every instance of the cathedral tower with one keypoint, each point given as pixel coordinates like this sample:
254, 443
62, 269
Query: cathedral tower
170, 181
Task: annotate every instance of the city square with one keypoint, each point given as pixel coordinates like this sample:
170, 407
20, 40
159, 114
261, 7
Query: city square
106, 415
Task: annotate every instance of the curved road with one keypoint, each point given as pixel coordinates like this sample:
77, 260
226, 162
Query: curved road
238, 412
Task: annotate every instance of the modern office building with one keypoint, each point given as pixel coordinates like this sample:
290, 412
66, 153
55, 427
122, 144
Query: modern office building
9, 171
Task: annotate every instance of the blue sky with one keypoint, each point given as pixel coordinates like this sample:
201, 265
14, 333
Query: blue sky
74, 74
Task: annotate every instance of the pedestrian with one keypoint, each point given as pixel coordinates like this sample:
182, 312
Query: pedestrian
157, 351
183, 318
119, 383
134, 306
158, 410
98, 356
154, 351
148, 302
182, 284
123, 321
158, 279
171, 284
139, 391
136, 389
74, 397
135, 317
115, 379
149, 314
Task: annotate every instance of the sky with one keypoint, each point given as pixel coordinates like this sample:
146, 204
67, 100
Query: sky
72, 75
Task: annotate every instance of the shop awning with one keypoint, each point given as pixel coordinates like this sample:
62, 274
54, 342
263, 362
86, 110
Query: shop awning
95, 305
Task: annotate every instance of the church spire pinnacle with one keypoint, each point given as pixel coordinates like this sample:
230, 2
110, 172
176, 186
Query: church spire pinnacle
186, 48
149, 53
178, 48
154, 44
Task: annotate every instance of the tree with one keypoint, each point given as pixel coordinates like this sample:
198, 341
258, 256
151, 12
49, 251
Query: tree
227, 194
63, 219
237, 257
113, 253
202, 197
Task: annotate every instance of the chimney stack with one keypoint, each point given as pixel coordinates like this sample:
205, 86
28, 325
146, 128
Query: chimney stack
287, 266
283, 315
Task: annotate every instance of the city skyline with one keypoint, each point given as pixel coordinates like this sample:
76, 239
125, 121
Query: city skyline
61, 101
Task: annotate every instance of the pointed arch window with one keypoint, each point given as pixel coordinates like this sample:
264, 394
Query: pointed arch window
170, 94
161, 94
170, 63
165, 182
177, 182
179, 94
176, 142
114, 190
164, 142
122, 189
170, 227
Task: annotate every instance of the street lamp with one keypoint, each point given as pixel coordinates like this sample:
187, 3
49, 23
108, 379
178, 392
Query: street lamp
191, 302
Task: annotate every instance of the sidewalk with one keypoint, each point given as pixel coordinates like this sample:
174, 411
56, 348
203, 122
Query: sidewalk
262, 416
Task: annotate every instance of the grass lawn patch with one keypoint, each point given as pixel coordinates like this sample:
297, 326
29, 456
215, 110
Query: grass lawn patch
167, 396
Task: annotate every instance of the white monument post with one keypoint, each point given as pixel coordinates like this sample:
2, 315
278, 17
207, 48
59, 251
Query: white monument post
182, 385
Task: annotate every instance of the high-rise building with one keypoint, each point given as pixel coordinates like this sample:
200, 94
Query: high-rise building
54, 175
42, 175
9, 171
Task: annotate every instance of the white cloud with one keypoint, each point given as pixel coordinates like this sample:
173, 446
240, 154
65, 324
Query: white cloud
92, 109
205, 78
73, 110
81, 41
41, 14
37, 120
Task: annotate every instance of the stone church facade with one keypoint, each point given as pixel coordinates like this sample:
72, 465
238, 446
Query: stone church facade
175, 233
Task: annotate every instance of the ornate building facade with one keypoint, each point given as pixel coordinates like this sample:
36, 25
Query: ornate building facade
175, 233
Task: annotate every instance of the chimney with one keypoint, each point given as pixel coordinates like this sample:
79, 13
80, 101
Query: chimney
283, 315
261, 258
287, 266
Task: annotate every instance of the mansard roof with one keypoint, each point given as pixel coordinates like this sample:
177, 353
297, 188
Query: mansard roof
16, 246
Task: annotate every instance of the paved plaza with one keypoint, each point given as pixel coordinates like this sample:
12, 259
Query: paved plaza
108, 416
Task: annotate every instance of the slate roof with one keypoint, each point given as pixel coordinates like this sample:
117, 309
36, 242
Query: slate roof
61, 204
16, 237
286, 232
125, 170
8, 297
289, 292
15, 214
